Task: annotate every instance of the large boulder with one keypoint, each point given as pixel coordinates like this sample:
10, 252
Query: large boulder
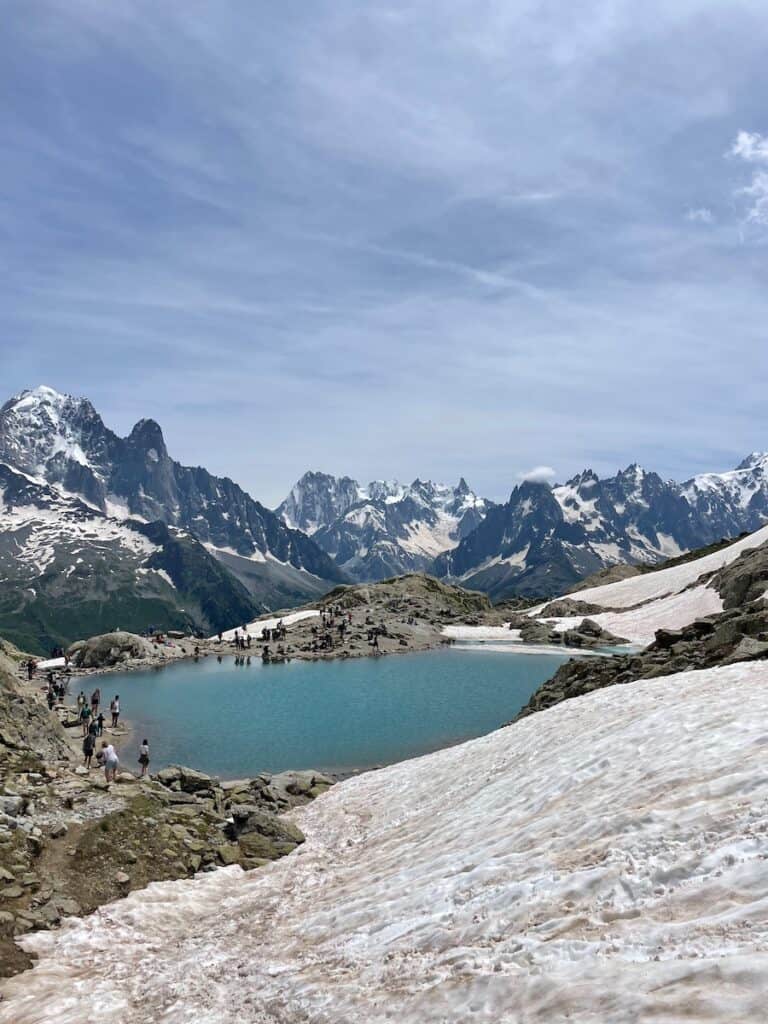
296, 787
186, 780
108, 650
263, 835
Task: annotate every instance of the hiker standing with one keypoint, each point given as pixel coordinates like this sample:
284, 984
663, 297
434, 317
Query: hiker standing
89, 744
114, 707
85, 718
111, 761
95, 701
144, 758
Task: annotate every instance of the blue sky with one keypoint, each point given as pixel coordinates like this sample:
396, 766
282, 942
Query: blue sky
393, 239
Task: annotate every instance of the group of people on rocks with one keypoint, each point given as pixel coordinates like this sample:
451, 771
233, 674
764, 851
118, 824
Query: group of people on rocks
242, 640
328, 617
279, 632
88, 712
91, 719
107, 757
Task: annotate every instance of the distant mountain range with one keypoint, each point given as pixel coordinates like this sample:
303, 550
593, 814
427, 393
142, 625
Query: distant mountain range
545, 539
385, 528
99, 531
540, 541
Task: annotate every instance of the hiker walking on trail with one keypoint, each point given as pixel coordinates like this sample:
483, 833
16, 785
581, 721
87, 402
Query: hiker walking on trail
89, 745
111, 760
85, 718
114, 707
144, 758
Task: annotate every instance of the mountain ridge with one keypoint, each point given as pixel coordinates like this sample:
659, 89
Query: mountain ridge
385, 528
546, 538
61, 440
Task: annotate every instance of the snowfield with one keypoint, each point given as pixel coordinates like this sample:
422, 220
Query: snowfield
602, 862
654, 585
255, 628
664, 599
639, 625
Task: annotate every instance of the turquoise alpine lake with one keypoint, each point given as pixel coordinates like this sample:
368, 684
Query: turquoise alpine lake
236, 720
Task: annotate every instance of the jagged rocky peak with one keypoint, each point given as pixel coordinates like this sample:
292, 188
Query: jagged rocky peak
62, 441
317, 499
385, 527
147, 437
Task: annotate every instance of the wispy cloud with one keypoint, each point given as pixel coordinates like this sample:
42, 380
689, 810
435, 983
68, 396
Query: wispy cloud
701, 215
419, 239
752, 148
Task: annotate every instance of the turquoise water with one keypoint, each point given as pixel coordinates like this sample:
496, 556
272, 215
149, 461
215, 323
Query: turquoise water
338, 716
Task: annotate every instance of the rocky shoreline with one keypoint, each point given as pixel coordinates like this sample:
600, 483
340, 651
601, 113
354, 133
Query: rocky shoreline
70, 842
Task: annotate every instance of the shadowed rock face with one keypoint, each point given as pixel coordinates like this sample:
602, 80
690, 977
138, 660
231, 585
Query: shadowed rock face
26, 725
67, 571
75, 502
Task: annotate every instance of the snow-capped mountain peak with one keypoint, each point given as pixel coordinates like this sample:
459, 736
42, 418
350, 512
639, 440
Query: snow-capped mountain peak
385, 527
61, 442
588, 523
755, 460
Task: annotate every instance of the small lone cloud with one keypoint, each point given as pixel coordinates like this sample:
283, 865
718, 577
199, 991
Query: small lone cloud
538, 475
700, 216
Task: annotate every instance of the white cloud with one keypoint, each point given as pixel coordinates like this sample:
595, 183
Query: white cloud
752, 148
538, 475
702, 215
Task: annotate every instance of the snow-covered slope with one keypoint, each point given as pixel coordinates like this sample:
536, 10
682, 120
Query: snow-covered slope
654, 585
255, 628
664, 599
385, 528
735, 500
602, 862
